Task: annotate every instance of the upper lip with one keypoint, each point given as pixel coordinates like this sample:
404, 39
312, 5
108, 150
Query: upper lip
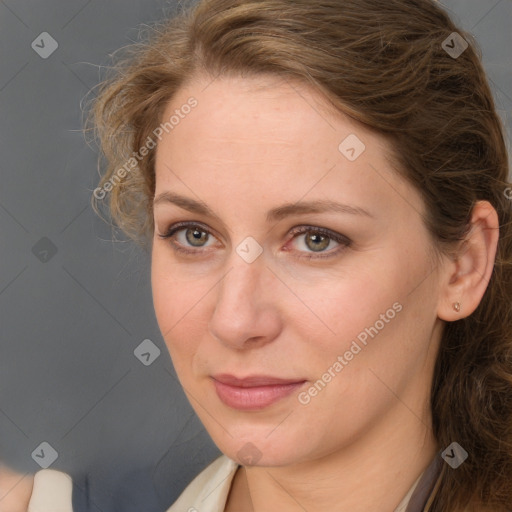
253, 380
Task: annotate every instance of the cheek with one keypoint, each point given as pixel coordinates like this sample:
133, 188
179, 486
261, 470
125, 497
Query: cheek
374, 317
381, 344
178, 305
344, 306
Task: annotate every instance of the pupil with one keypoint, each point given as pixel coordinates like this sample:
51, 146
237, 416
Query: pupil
197, 236
320, 242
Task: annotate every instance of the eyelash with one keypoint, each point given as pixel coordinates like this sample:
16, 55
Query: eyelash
299, 230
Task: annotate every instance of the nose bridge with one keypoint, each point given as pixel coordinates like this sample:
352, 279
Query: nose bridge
244, 309
241, 289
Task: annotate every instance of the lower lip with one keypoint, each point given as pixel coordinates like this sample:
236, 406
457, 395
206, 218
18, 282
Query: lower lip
253, 398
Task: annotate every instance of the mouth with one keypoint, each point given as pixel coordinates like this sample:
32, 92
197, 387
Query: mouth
254, 392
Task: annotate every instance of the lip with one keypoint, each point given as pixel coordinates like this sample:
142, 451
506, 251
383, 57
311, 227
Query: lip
253, 392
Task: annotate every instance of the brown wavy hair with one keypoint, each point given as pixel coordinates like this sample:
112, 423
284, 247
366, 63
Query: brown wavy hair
381, 62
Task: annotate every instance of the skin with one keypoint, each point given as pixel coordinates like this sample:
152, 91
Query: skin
15, 490
252, 145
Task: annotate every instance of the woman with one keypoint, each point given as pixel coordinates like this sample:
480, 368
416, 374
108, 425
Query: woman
322, 187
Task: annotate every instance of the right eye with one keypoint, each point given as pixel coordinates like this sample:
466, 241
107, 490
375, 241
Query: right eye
185, 235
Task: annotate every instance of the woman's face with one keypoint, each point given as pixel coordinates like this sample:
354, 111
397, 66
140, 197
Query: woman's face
301, 259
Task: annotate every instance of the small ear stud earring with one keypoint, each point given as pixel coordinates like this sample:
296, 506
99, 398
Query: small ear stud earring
456, 306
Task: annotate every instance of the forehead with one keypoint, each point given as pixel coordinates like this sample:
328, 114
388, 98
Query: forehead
258, 95
250, 119
262, 135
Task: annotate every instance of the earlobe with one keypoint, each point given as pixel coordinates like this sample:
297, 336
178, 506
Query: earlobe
469, 273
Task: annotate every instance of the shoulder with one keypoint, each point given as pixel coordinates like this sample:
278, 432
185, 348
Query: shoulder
209, 489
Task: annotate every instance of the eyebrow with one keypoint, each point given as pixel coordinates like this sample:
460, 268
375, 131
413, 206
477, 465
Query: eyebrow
276, 214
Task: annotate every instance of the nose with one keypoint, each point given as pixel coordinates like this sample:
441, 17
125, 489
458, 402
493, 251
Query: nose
246, 314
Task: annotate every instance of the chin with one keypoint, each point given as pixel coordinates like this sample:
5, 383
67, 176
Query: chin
260, 449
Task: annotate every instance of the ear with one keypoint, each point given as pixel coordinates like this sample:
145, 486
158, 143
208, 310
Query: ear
468, 274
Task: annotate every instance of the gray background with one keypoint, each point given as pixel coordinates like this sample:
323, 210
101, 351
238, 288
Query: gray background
70, 321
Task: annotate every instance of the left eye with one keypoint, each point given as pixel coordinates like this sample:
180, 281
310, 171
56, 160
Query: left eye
317, 240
